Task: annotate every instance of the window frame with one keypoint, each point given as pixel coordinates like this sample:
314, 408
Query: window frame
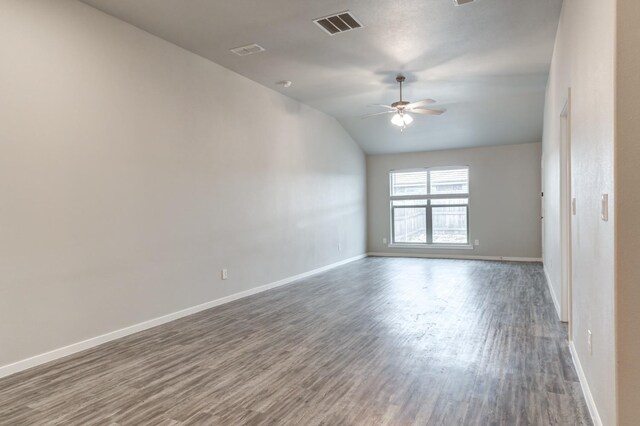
429, 208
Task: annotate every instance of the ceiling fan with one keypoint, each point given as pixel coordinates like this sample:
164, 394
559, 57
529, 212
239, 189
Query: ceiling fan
401, 108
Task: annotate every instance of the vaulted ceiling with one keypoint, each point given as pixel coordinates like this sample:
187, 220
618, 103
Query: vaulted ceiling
485, 62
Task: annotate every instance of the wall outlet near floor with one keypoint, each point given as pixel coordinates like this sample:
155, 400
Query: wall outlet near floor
476, 243
384, 241
224, 274
339, 247
590, 342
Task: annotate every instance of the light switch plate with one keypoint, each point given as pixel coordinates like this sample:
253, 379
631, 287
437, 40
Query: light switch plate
604, 207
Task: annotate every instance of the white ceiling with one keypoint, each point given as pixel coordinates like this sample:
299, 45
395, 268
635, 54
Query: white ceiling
485, 62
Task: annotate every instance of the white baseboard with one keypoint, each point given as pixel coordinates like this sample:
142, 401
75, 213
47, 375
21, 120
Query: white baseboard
553, 293
591, 404
34, 361
457, 256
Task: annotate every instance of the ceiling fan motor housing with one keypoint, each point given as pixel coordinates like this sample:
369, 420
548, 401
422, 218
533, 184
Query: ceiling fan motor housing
400, 104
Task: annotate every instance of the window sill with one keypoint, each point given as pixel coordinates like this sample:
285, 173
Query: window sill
433, 246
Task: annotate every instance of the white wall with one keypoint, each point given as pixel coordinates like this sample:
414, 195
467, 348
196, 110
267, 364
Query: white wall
132, 171
584, 61
504, 205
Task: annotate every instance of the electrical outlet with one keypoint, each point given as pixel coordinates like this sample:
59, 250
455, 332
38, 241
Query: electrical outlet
476, 243
224, 274
339, 247
384, 241
590, 342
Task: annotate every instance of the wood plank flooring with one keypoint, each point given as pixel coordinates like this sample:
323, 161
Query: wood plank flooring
381, 341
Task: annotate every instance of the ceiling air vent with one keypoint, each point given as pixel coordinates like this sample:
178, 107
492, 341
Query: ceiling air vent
461, 2
249, 49
338, 23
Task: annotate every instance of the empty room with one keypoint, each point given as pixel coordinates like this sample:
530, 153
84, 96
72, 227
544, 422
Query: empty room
297, 212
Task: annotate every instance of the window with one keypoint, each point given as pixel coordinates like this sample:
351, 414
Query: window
430, 206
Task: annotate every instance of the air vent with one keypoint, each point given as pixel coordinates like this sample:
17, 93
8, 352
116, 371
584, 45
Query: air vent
461, 2
249, 49
338, 23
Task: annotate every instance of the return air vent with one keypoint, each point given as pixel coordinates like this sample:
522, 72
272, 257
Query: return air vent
338, 23
249, 49
461, 2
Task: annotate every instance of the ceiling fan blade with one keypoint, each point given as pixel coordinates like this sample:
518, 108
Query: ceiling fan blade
378, 113
420, 103
428, 111
383, 106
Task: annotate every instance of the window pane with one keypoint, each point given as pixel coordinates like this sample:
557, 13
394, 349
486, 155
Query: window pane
453, 181
400, 203
449, 225
449, 201
409, 225
409, 183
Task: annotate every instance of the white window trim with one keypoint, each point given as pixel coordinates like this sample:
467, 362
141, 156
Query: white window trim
433, 246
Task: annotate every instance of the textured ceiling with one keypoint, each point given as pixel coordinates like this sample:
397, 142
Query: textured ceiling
485, 62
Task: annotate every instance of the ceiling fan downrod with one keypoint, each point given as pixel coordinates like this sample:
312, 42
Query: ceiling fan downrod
400, 79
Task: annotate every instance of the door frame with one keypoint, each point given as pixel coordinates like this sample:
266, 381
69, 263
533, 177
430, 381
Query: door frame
566, 212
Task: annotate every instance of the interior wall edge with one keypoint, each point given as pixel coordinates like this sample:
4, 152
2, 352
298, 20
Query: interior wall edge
556, 304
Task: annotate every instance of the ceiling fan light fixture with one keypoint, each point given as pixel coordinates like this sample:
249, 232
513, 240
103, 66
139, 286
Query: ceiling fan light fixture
407, 119
401, 120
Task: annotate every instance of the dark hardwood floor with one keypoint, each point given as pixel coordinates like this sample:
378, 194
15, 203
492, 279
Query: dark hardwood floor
379, 341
